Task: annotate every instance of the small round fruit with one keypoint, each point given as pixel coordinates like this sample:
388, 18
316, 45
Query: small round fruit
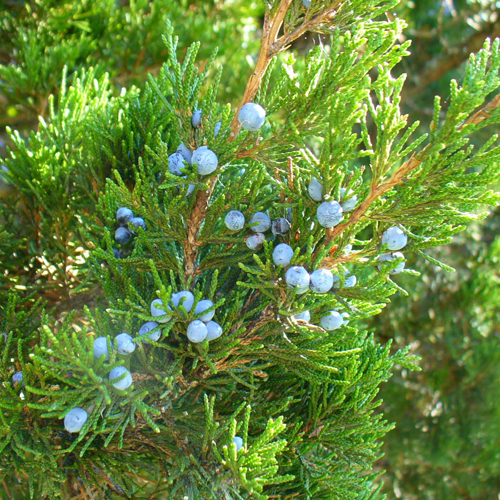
184, 298
304, 316
347, 249
280, 226
306, 3
235, 220
214, 330
157, 310
297, 276
206, 160
136, 223
332, 321
197, 331
329, 214
321, 281
217, 127
176, 164
117, 372
255, 241
17, 378
282, 255
75, 419
201, 307
350, 204
125, 344
124, 215
394, 238
252, 116
350, 281
260, 222
315, 189
122, 235
387, 257
196, 119
185, 152
238, 442
101, 347
149, 326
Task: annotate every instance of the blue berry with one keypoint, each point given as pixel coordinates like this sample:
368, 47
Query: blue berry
117, 372
122, 235
332, 321
206, 160
196, 118
176, 164
238, 442
329, 213
185, 152
75, 419
17, 377
347, 249
116, 253
147, 327
234, 220
159, 311
124, 215
214, 330
255, 241
394, 238
304, 316
217, 127
280, 226
350, 281
297, 276
201, 307
260, 222
387, 257
306, 3
315, 190
349, 204
197, 331
101, 347
136, 223
252, 116
321, 280
282, 255
184, 298
125, 344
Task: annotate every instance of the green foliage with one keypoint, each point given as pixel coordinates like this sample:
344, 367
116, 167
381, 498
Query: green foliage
304, 400
447, 415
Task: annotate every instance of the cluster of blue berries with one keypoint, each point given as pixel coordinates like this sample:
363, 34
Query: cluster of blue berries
120, 377
128, 225
251, 117
259, 223
330, 213
205, 159
393, 239
202, 327
320, 281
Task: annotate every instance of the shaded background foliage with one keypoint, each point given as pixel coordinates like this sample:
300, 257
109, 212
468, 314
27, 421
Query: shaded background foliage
446, 442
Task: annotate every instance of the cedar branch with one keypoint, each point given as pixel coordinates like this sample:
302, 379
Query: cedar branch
270, 46
397, 177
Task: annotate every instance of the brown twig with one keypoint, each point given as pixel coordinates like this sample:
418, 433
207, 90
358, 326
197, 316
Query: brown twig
270, 46
397, 177
267, 51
